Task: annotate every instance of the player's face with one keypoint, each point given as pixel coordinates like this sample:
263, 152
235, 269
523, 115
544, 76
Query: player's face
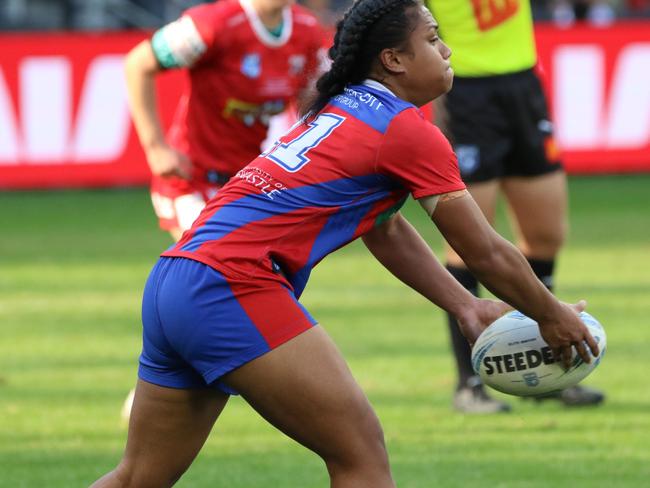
428, 70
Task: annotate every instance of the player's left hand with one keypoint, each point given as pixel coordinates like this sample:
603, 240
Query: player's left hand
475, 319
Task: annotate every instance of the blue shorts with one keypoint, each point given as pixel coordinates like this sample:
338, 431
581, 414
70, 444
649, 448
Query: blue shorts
198, 325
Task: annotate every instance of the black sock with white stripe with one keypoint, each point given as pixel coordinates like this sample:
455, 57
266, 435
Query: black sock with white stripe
543, 269
462, 351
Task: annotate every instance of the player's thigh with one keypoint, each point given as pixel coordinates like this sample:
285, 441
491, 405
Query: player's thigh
167, 428
538, 206
486, 195
305, 389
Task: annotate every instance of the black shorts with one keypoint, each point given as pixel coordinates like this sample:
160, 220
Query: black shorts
499, 126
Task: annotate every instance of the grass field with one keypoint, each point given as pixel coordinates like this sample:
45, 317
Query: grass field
72, 267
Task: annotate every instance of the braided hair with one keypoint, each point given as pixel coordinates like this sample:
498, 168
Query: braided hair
368, 27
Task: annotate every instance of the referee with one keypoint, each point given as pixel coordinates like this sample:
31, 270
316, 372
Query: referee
497, 119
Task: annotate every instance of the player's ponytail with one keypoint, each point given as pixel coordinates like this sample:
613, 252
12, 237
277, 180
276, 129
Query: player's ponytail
368, 27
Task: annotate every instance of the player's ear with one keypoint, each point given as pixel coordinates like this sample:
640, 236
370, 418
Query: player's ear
392, 60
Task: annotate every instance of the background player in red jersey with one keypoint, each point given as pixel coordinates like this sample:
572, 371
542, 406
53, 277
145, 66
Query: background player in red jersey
220, 309
246, 60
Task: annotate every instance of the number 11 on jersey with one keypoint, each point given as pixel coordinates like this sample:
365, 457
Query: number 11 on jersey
292, 155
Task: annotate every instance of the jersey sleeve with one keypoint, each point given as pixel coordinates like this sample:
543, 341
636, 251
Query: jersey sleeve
416, 154
182, 43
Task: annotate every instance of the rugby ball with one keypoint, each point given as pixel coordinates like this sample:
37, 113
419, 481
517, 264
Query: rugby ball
511, 356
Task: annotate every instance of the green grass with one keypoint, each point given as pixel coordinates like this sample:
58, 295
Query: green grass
72, 267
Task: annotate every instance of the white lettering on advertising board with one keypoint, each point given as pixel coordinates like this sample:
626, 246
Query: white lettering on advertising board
589, 117
47, 131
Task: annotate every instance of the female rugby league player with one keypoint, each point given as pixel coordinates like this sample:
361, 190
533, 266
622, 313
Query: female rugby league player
220, 311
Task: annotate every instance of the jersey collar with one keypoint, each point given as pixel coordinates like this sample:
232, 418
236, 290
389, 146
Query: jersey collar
260, 30
377, 86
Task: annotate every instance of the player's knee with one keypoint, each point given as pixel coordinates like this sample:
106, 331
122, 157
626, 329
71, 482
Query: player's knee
364, 448
545, 243
374, 440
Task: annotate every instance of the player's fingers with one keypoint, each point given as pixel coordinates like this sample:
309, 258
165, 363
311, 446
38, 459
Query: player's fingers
593, 345
471, 331
581, 348
557, 354
184, 168
182, 173
504, 307
579, 306
566, 356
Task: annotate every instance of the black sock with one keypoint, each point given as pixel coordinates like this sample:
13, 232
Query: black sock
462, 351
543, 269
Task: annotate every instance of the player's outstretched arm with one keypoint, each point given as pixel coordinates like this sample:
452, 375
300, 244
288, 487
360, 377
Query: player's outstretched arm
398, 246
503, 270
141, 68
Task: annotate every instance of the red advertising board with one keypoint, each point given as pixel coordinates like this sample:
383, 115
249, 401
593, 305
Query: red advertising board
64, 119
598, 81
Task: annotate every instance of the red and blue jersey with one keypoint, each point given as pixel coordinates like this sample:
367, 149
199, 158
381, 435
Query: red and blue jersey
329, 180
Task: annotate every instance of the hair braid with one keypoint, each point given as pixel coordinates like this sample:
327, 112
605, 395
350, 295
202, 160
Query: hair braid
366, 28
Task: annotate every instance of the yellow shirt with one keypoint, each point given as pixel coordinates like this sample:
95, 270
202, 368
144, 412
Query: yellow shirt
487, 37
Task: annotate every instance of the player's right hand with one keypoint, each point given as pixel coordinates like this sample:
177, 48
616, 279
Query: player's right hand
165, 161
476, 318
565, 330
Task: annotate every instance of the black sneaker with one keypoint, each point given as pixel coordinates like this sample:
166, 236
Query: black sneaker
576, 396
473, 399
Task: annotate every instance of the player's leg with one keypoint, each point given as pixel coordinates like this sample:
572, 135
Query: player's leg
166, 431
479, 131
305, 389
470, 395
253, 336
538, 207
536, 190
534, 183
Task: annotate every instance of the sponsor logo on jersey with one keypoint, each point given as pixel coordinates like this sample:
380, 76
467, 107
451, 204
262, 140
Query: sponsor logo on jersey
276, 87
365, 97
491, 13
296, 64
263, 181
249, 113
251, 65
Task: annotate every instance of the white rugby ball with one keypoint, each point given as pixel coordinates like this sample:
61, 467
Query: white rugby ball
511, 356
